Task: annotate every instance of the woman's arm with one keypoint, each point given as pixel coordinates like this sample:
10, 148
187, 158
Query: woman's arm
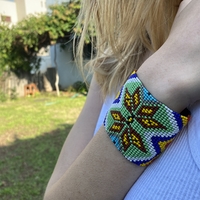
81, 133
100, 171
172, 76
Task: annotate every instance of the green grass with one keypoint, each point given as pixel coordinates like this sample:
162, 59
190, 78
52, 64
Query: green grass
32, 132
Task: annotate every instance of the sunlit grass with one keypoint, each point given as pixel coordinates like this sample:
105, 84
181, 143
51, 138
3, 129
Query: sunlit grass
32, 131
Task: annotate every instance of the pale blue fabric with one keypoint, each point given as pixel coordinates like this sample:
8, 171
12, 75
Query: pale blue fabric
175, 175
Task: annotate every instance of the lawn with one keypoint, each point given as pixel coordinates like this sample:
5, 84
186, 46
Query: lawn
32, 132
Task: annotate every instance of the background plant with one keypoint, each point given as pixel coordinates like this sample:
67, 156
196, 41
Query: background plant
3, 96
20, 43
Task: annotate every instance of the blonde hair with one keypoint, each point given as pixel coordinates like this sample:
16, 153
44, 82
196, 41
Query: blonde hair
125, 30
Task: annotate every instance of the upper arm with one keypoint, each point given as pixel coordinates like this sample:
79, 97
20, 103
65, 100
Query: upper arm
100, 172
80, 134
91, 167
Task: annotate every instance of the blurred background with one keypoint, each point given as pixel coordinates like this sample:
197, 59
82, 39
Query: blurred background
41, 90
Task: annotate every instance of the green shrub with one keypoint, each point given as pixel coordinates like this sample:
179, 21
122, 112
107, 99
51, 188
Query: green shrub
13, 94
3, 96
70, 89
80, 87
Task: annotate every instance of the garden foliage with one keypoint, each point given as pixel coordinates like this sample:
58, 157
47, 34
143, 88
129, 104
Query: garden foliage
20, 43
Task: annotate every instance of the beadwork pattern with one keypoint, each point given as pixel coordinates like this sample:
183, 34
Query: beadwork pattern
139, 125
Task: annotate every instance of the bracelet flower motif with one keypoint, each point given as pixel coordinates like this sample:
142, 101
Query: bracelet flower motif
139, 125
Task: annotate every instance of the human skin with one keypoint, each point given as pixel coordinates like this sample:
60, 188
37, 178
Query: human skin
177, 62
98, 170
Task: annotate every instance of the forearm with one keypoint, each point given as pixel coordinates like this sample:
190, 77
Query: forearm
176, 65
161, 75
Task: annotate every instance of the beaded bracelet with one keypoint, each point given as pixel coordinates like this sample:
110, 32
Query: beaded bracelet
139, 125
